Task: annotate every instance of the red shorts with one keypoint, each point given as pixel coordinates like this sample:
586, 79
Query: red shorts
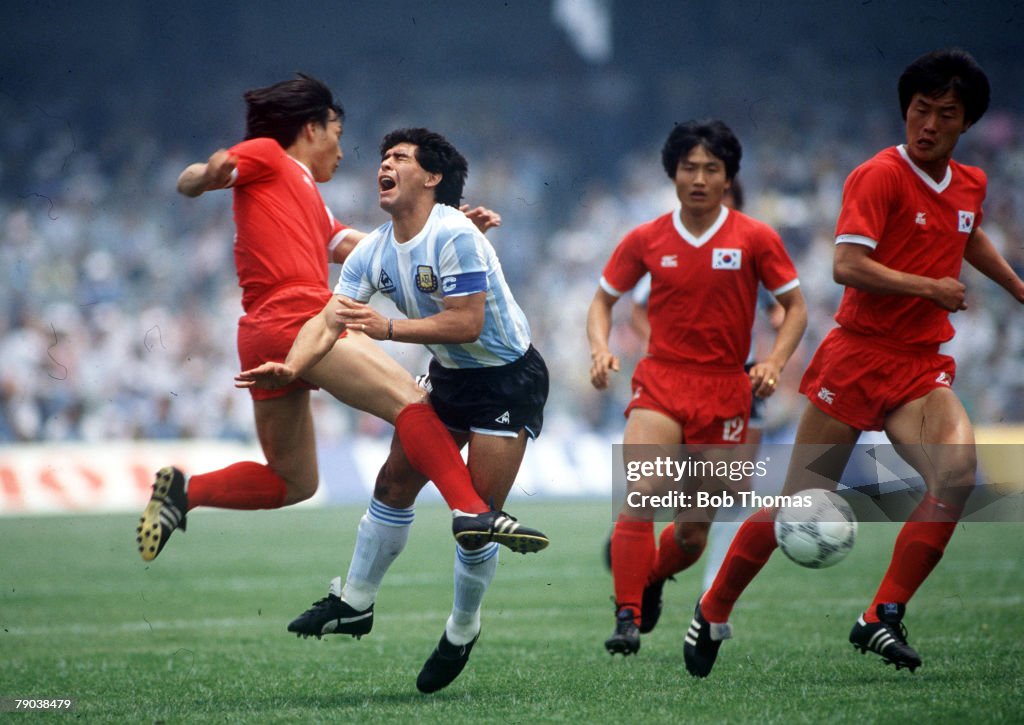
712, 407
266, 333
860, 380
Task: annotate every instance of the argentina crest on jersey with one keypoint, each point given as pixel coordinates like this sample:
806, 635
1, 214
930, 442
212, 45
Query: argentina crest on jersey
726, 258
426, 280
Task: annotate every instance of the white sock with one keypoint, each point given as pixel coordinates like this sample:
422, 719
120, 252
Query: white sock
382, 534
721, 534
474, 572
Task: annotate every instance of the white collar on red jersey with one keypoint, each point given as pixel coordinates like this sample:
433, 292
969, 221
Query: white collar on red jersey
937, 186
703, 238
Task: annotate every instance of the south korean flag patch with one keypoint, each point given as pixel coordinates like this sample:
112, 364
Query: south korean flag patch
965, 222
726, 258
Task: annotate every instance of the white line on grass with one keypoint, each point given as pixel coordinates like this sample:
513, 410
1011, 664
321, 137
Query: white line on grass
251, 623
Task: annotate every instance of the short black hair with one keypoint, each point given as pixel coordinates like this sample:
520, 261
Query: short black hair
281, 110
437, 155
713, 135
941, 71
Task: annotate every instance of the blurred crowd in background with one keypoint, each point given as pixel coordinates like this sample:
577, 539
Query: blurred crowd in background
119, 302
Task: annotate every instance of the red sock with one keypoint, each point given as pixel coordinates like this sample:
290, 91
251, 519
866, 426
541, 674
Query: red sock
431, 450
632, 558
672, 558
749, 552
919, 546
245, 486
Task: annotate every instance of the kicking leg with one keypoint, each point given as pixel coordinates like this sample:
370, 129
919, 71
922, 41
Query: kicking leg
358, 373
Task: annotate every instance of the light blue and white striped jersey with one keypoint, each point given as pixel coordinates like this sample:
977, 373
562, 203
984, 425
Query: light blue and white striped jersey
448, 257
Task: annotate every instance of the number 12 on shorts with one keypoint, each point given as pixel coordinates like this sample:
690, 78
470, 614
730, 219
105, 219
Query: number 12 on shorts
732, 430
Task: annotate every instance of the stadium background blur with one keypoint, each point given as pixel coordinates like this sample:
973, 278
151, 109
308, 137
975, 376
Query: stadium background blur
119, 301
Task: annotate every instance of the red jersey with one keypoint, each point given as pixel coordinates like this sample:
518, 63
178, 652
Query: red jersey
915, 225
703, 290
283, 228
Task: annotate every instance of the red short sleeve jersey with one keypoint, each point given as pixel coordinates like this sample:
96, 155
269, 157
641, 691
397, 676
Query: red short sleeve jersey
283, 228
915, 225
703, 290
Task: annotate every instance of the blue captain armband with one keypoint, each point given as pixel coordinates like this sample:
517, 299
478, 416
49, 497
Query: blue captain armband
464, 284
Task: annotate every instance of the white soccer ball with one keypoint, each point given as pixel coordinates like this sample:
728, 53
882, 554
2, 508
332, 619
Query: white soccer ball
818, 533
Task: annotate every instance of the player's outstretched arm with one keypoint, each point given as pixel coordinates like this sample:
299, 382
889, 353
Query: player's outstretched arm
215, 173
599, 326
764, 376
853, 266
984, 257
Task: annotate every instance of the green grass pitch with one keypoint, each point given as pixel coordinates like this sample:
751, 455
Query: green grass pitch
199, 634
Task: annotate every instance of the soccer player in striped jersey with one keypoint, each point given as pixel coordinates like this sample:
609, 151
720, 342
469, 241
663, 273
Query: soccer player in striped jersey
285, 238
706, 263
910, 217
487, 381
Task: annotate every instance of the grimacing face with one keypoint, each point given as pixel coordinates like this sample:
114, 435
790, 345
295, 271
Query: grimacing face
400, 178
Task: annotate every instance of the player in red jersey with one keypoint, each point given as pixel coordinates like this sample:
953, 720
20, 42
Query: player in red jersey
285, 235
721, 533
910, 216
706, 262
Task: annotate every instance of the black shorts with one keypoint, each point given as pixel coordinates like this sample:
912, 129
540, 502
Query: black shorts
500, 400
